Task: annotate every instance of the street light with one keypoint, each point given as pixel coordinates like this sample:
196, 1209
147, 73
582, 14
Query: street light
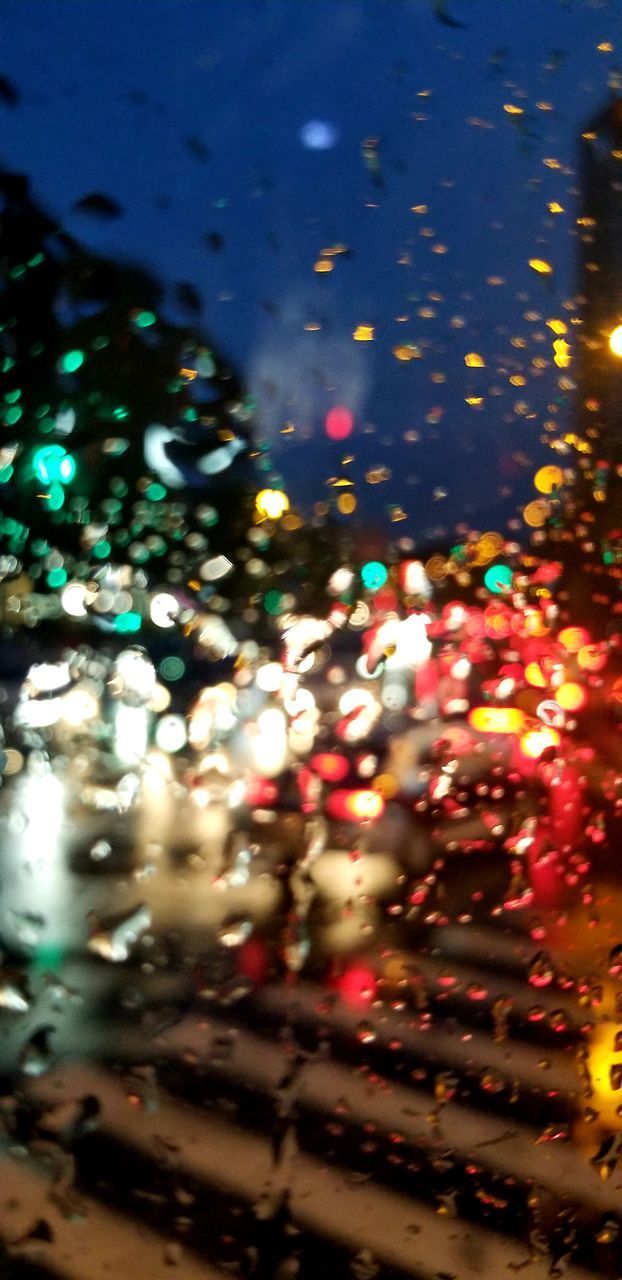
615, 340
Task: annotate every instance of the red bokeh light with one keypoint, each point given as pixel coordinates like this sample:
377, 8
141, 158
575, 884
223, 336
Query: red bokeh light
260, 792
253, 960
355, 806
330, 766
339, 423
357, 986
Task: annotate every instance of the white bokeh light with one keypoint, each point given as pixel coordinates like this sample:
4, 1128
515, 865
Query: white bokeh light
163, 609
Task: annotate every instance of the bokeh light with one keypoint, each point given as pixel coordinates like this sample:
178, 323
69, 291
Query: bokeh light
339, 423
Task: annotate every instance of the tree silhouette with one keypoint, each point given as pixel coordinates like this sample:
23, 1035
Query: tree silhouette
124, 439
126, 459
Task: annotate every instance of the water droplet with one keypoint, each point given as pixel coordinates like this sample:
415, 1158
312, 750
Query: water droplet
116, 943
554, 1133
128, 791
615, 961
100, 850
475, 991
35, 1056
541, 972
234, 932
609, 1232
17, 822
558, 1020
11, 996
146, 872
28, 927
172, 1254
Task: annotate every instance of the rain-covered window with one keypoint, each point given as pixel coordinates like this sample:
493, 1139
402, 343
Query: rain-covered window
310, 639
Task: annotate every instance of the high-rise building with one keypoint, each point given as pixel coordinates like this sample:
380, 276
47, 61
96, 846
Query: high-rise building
599, 368
598, 508
589, 541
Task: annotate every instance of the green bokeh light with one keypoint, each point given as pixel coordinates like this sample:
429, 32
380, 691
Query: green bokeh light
374, 575
71, 361
144, 319
273, 603
498, 578
51, 464
172, 668
55, 496
127, 622
101, 550
156, 492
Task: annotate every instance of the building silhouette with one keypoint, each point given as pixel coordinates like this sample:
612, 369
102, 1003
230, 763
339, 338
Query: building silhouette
599, 399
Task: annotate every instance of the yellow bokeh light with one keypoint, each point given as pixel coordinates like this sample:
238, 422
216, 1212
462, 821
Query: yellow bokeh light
474, 361
591, 658
407, 351
535, 742
573, 638
571, 696
548, 478
543, 268
271, 503
386, 785
535, 676
363, 333
346, 503
534, 623
496, 719
615, 340
486, 548
536, 513
562, 355
605, 1067
436, 569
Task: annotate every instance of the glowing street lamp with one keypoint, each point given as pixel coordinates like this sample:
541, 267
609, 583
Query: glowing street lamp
615, 340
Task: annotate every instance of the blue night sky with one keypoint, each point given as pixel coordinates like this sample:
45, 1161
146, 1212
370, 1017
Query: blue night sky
189, 112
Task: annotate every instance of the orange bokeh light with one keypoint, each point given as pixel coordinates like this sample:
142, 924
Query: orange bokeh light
534, 623
330, 766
